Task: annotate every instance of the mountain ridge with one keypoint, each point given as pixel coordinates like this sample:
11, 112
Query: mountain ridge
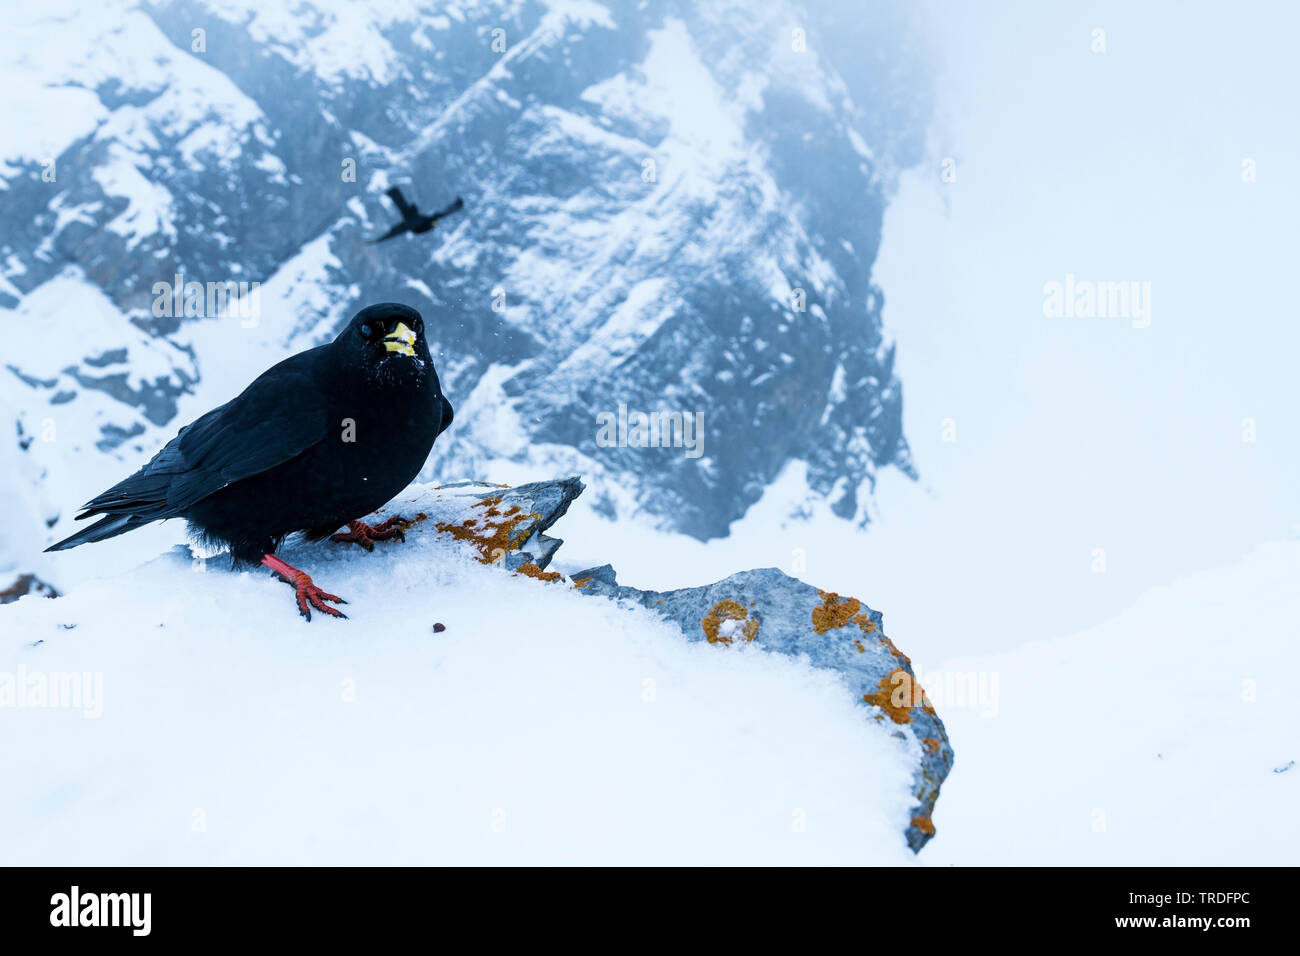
667, 209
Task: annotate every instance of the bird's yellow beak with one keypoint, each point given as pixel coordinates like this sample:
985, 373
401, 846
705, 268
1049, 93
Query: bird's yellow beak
401, 340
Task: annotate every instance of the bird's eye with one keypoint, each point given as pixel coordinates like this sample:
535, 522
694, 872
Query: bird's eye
366, 331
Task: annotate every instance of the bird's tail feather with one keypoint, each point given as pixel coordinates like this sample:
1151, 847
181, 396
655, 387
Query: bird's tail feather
108, 526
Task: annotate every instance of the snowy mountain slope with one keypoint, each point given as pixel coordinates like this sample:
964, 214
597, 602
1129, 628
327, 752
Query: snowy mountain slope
668, 208
213, 725
1166, 736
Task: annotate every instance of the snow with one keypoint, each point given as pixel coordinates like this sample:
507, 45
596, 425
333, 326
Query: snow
63, 421
1155, 738
68, 309
493, 419
42, 112
351, 39
632, 321
1164, 726
1094, 435
149, 209
683, 91
20, 504
50, 73
49, 118
674, 89
334, 41
541, 726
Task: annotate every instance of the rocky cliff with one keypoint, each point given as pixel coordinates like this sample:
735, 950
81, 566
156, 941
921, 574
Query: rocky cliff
671, 210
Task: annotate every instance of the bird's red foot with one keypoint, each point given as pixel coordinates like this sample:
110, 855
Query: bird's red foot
307, 594
366, 535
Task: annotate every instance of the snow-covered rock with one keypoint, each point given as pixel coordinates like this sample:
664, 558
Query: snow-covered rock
783, 615
182, 713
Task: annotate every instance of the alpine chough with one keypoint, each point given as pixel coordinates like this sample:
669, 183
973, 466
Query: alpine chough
314, 443
412, 219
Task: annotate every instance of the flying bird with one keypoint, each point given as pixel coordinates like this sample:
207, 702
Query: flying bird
314, 443
412, 219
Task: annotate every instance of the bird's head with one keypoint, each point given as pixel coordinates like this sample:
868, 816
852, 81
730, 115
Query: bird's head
387, 338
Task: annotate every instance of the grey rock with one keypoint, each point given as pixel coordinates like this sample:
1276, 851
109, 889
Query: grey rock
604, 574
511, 529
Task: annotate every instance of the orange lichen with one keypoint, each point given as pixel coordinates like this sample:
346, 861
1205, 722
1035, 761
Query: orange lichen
835, 612
924, 824
893, 696
858, 645
531, 570
580, 583
728, 611
930, 744
494, 538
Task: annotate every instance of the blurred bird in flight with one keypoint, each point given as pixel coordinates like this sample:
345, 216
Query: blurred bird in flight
413, 220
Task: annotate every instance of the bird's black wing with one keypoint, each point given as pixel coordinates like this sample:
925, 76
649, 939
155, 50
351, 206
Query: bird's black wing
454, 207
408, 211
397, 230
279, 416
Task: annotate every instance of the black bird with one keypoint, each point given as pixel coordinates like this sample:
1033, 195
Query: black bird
314, 443
412, 219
